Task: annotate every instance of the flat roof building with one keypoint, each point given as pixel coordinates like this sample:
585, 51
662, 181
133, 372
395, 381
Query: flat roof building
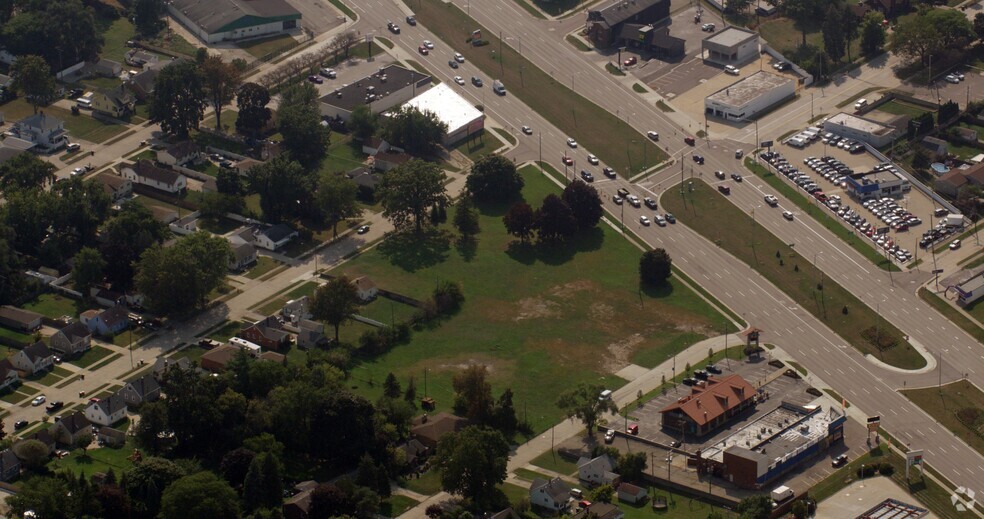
971, 290
877, 183
867, 130
390, 86
462, 118
750, 96
215, 21
730, 46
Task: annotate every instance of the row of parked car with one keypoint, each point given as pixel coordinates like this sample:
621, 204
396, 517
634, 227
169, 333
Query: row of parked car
701, 374
804, 181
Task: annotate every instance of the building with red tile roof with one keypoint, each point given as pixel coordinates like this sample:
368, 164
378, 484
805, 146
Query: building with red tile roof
710, 405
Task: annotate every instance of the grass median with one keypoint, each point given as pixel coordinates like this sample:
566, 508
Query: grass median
718, 220
549, 93
820, 215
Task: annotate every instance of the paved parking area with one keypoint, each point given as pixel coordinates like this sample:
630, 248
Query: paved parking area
860, 496
318, 15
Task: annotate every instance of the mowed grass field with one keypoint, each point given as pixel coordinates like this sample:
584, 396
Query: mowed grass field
704, 209
958, 406
543, 319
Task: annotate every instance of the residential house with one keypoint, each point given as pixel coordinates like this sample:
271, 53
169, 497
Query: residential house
44, 436
140, 58
10, 465
597, 471
111, 437
106, 322
310, 334
243, 166
414, 452
104, 68
164, 365
272, 356
144, 172
19, 319
429, 429
117, 187
599, 511
72, 428
374, 145
297, 309
553, 494
629, 493
117, 102
267, 333
8, 375
45, 133
275, 237
365, 288
142, 83
106, 411
507, 513
243, 256
7, 153
215, 360
935, 146
366, 181
75, 338
33, 359
143, 389
103, 295
6, 85
179, 154
298, 505
387, 160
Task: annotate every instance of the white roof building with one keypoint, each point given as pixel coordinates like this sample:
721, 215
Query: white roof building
462, 118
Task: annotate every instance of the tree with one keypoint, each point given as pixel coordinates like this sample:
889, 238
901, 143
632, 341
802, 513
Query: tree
799, 509
88, 269
872, 34
45, 496
804, 13
391, 386
214, 205
466, 217
655, 267
29, 214
283, 185
420, 133
363, 122
834, 30
631, 466
70, 31
408, 190
335, 302
494, 178
520, 221
583, 403
221, 81
33, 452
32, 76
252, 100
504, 414
555, 220
80, 208
472, 394
178, 102
11, 280
472, 462
126, 236
229, 182
299, 121
25, 171
176, 280
755, 507
147, 16
263, 486
979, 25
738, 6
410, 395
585, 204
603, 493
336, 198
236, 464
200, 496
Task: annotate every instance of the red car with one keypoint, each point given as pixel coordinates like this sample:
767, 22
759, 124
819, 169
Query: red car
634, 429
568, 160
629, 62
423, 50
690, 141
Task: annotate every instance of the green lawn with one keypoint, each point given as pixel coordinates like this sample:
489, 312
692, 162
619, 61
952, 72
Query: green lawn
226, 331
175, 42
478, 145
268, 47
25, 338
85, 127
530, 475
704, 209
506, 135
613, 70
147, 154
808, 206
218, 226
782, 35
53, 305
549, 92
17, 109
229, 118
542, 318
386, 310
49, 379
126, 337
344, 154
576, 42
19, 394
208, 167
97, 460
951, 313
679, 506
555, 462
92, 356
958, 406
263, 265
115, 33
344, 9
427, 484
396, 505
274, 305
897, 107
836, 396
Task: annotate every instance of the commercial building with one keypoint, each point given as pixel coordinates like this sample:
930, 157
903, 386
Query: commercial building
731, 46
750, 96
605, 26
462, 118
215, 21
390, 86
854, 127
877, 184
759, 453
710, 405
971, 290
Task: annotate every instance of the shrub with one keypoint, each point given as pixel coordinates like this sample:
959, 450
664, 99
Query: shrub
448, 297
867, 471
886, 469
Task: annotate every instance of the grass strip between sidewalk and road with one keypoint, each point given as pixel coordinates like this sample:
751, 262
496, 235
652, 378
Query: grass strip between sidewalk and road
857, 242
965, 323
549, 93
718, 220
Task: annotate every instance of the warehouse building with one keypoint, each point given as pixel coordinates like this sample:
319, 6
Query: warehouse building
854, 127
390, 86
750, 96
731, 46
214, 21
604, 27
462, 118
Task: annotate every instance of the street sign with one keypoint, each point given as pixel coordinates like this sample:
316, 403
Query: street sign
883, 230
873, 423
874, 419
765, 144
937, 271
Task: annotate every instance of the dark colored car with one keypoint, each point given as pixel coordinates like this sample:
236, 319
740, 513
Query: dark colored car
690, 141
54, 406
711, 368
839, 460
316, 79
725, 189
20, 424
699, 159
688, 381
588, 177
411, 20
736, 177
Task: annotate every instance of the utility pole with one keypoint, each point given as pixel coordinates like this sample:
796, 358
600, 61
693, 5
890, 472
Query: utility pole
502, 71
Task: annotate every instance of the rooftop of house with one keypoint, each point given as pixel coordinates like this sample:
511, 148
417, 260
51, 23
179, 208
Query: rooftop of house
19, 315
38, 350
75, 331
144, 385
111, 404
556, 488
147, 169
278, 232
182, 149
75, 422
41, 121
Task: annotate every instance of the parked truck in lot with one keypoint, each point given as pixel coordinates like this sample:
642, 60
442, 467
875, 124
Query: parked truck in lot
781, 494
498, 87
954, 220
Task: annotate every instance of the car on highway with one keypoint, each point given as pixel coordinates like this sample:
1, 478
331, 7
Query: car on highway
838, 461
459, 80
527, 130
623, 192
428, 44
609, 436
690, 141
670, 218
568, 161
458, 57
617, 199
630, 61
736, 177
394, 28
452, 63
660, 221
699, 159
592, 159
787, 215
477, 81
650, 203
652, 135
571, 142
609, 172
20, 424
725, 189
362, 229
644, 220
423, 50
731, 69
955, 244
633, 200
720, 175
40, 399
587, 176
675, 444
411, 20
771, 200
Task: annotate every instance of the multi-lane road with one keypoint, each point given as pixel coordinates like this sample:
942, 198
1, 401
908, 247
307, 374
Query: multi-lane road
870, 387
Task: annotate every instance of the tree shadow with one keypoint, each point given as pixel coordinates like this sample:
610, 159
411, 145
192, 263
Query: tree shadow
557, 253
660, 291
413, 251
522, 252
466, 246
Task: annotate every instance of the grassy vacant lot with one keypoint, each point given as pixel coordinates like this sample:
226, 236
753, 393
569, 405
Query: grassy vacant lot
704, 210
344, 154
263, 265
394, 506
548, 92
263, 47
858, 243
782, 35
898, 107
479, 145
542, 318
92, 356
229, 118
952, 314
958, 406
115, 33
555, 462
96, 460
53, 305
85, 127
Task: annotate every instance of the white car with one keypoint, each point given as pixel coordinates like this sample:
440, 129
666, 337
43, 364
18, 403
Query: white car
592, 159
571, 142
950, 78
787, 215
38, 400
771, 200
78, 171
660, 221
644, 220
527, 130
428, 44
609, 435
459, 80
955, 244
73, 146
458, 57
731, 69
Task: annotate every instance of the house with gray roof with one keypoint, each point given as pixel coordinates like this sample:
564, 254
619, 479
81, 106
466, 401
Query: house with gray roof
46, 133
215, 21
143, 389
8, 374
115, 102
70, 429
179, 154
597, 471
275, 237
554, 494
19, 319
75, 338
10, 465
147, 173
106, 411
33, 358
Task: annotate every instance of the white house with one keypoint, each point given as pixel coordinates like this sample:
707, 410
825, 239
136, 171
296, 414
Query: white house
179, 154
297, 309
143, 389
107, 411
146, 173
275, 237
554, 495
106, 322
33, 358
44, 132
597, 471
8, 374
366, 288
243, 251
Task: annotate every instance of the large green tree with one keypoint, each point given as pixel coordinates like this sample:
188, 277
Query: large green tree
44, 495
872, 34
554, 220
804, 13
834, 30
32, 76
26, 171
583, 403
125, 236
88, 269
472, 462
336, 198
221, 81
520, 221
409, 190
284, 187
80, 208
264, 485
466, 217
299, 121
177, 280
179, 101
494, 178
252, 100
920, 35
200, 496
70, 33
29, 213
335, 302
655, 267
420, 133
363, 123
147, 16
585, 204
755, 507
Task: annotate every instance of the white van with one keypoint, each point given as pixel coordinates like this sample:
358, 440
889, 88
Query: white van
796, 142
860, 104
83, 102
605, 395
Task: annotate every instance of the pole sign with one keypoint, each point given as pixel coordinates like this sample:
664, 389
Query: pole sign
873, 423
765, 144
937, 271
913, 458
